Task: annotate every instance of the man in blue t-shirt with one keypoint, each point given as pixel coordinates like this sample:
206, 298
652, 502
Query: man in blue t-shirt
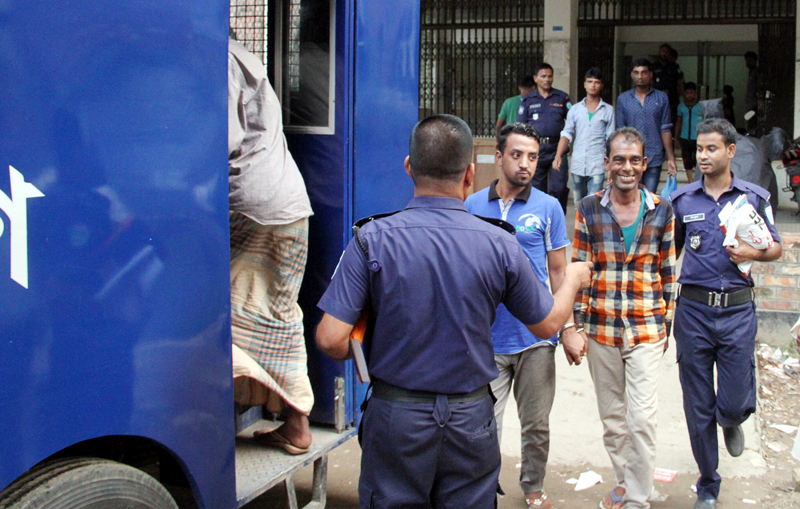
525, 361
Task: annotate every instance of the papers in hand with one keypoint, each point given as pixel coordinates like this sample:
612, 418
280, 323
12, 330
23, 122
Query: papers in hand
740, 219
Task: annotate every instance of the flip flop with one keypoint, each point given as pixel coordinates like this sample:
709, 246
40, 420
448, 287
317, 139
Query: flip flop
615, 499
276, 439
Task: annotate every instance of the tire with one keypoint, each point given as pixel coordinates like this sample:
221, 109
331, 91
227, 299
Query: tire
85, 483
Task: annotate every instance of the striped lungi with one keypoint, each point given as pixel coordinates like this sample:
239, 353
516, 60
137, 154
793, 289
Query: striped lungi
267, 265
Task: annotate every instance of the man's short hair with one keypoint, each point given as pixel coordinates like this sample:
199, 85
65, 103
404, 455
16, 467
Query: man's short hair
752, 55
515, 128
720, 126
665, 45
543, 65
640, 62
594, 73
526, 81
630, 134
440, 147
690, 86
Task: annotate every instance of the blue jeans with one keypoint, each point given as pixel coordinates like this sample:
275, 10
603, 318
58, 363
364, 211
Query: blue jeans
651, 177
583, 186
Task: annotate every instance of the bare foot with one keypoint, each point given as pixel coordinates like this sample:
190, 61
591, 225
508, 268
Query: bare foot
295, 429
534, 500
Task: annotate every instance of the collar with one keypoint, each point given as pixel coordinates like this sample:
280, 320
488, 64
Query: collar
735, 183
649, 200
524, 195
633, 91
553, 91
436, 202
600, 105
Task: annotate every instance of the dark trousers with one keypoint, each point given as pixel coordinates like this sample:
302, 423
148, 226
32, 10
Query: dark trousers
422, 455
549, 181
706, 336
689, 153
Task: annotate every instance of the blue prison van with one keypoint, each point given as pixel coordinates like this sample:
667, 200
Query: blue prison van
115, 347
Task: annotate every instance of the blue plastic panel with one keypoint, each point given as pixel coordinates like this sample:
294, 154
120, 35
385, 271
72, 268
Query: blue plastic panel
117, 113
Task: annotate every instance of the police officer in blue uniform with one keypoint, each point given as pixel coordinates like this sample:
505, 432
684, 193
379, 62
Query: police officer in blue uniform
432, 276
715, 317
545, 108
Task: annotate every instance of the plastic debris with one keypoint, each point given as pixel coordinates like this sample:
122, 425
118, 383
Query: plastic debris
587, 480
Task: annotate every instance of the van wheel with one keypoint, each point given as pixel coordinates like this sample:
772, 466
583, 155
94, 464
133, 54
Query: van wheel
85, 483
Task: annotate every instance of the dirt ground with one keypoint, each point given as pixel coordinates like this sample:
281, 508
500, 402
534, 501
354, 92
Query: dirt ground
778, 404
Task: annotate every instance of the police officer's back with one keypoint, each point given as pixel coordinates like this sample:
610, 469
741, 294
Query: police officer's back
432, 275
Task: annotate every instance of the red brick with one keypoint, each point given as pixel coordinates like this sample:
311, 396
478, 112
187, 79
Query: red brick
780, 305
763, 268
788, 256
789, 294
762, 293
783, 268
787, 282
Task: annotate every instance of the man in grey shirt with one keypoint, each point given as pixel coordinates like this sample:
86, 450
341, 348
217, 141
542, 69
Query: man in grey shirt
269, 211
588, 126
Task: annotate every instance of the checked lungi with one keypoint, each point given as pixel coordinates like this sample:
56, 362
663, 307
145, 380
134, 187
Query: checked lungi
267, 265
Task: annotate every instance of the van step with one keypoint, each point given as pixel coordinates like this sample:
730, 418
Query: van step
259, 468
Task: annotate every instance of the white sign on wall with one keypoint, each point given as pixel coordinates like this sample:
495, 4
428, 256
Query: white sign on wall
16, 208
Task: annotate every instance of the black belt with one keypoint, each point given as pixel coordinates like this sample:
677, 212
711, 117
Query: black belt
383, 390
547, 140
718, 300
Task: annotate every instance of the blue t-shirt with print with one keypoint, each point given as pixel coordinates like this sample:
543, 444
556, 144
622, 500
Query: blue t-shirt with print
541, 227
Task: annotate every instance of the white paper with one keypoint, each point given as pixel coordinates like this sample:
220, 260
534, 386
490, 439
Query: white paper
784, 427
587, 480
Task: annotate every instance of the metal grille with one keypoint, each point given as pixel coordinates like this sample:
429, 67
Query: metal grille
596, 49
472, 54
248, 19
681, 12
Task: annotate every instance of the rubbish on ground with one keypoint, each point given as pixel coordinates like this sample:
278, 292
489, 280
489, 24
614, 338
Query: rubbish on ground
776, 446
694, 488
749, 501
587, 480
572, 480
665, 475
784, 427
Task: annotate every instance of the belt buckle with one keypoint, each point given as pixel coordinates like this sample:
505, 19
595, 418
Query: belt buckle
718, 300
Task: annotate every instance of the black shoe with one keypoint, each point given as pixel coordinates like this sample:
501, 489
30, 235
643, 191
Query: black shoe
500, 490
734, 440
709, 503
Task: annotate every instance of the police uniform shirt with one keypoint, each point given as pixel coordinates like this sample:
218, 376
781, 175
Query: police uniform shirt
541, 228
435, 277
697, 231
547, 115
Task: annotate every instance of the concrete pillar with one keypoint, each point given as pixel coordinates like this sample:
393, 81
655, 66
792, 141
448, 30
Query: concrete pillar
561, 43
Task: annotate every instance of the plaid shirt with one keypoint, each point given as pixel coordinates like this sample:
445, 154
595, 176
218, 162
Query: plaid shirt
631, 295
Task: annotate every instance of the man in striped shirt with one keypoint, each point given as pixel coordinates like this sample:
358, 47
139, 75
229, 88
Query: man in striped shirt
628, 233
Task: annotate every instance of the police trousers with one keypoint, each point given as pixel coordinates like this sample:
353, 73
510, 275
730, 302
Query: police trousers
439, 454
548, 180
706, 336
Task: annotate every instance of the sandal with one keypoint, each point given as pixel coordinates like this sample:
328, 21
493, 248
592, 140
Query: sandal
615, 499
535, 503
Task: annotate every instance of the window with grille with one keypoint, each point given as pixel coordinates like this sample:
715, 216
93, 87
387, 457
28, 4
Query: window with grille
302, 58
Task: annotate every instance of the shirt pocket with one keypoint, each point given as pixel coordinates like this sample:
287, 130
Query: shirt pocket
698, 233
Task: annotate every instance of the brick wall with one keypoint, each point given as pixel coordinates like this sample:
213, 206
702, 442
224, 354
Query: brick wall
778, 292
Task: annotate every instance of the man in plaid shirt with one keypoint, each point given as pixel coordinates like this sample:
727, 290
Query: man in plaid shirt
628, 233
